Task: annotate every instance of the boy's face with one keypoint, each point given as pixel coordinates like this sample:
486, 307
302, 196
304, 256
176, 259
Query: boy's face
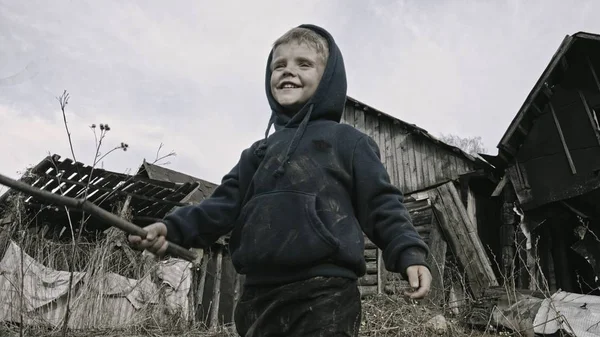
296, 72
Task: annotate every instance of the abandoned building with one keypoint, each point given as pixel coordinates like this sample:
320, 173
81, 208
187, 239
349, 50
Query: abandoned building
549, 160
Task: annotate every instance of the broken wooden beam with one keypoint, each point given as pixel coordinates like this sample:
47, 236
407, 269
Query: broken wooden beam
562, 139
462, 236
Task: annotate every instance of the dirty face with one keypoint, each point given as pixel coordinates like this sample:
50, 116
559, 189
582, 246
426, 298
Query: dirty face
296, 72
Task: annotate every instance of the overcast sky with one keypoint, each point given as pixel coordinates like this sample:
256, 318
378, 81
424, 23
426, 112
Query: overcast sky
190, 74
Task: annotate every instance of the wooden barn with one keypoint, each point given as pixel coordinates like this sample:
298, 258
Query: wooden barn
550, 161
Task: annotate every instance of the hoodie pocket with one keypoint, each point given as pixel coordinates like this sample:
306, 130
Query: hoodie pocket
282, 229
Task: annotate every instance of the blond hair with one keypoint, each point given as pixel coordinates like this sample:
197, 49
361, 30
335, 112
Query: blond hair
307, 36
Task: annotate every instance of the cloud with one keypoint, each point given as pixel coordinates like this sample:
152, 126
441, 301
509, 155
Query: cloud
454, 66
190, 74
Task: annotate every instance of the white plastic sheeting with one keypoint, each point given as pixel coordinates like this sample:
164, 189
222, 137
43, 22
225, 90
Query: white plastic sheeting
115, 300
575, 314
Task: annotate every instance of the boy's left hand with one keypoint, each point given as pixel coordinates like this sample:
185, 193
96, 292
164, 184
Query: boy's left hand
419, 278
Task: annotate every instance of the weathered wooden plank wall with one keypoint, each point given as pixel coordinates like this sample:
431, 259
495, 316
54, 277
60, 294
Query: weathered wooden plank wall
413, 161
378, 279
423, 218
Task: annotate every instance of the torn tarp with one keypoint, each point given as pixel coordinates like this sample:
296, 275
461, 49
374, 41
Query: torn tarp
114, 300
576, 314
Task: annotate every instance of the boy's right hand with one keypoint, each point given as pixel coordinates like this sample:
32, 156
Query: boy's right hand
155, 241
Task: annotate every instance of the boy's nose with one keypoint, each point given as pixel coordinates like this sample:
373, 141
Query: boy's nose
289, 71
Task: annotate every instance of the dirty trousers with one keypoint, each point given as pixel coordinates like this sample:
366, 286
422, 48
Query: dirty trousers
319, 307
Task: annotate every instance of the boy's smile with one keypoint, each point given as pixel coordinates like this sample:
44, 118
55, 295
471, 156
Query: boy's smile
296, 72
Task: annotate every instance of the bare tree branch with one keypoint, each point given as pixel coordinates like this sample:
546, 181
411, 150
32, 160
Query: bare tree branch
471, 145
64, 100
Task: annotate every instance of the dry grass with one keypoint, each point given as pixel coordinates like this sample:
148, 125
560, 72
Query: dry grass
383, 316
108, 254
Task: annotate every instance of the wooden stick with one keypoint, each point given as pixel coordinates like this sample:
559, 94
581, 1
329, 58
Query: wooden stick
86, 206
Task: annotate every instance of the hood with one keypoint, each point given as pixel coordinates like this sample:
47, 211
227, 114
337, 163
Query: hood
329, 98
327, 103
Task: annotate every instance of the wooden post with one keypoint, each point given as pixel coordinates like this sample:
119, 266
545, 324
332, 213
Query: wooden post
522, 276
202, 283
214, 318
507, 232
532, 264
237, 291
380, 267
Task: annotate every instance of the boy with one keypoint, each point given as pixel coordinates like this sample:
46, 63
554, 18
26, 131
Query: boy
297, 204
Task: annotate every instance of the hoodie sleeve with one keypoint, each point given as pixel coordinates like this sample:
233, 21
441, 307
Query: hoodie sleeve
200, 225
381, 211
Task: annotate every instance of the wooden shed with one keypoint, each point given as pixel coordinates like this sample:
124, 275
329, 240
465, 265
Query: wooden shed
447, 193
550, 158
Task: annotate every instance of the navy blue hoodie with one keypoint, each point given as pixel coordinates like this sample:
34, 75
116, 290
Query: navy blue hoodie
297, 203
